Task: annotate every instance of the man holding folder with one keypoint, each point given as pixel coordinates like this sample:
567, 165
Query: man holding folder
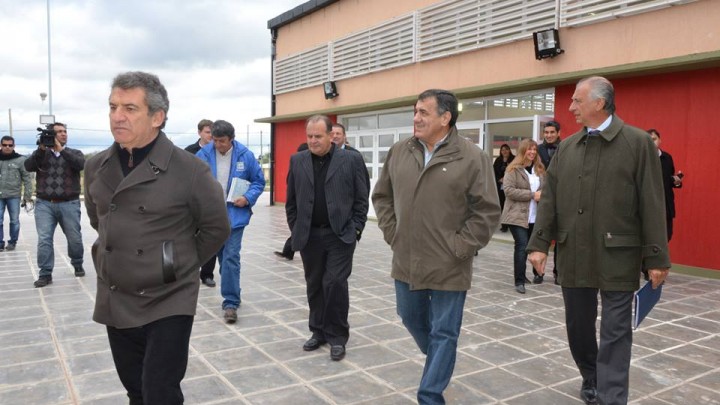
603, 204
234, 166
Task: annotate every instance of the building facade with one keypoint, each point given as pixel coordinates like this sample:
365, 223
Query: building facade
663, 56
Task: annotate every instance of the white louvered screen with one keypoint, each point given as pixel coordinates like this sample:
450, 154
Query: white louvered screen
381, 47
462, 25
581, 12
304, 69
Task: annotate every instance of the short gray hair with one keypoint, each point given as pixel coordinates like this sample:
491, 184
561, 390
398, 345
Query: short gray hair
156, 96
601, 87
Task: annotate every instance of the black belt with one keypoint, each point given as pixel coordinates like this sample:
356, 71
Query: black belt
57, 200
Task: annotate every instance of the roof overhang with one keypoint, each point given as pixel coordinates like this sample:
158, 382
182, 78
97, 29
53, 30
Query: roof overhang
298, 13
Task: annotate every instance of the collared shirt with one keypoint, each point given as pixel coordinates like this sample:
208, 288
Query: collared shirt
429, 153
223, 167
602, 126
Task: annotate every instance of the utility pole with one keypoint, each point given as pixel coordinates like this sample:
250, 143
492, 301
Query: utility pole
10, 120
50, 105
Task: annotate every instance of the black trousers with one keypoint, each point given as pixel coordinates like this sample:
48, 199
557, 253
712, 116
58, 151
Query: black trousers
206, 271
287, 249
328, 263
608, 363
151, 360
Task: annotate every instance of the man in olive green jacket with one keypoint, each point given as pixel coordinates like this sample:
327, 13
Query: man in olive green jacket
603, 204
436, 204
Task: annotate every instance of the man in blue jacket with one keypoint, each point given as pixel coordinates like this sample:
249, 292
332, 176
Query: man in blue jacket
234, 166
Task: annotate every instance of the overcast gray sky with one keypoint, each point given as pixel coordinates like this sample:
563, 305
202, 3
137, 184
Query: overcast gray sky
213, 56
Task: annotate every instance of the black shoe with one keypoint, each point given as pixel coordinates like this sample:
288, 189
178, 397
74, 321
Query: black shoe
520, 288
503, 228
10, 247
313, 344
337, 352
588, 392
537, 279
2, 248
230, 315
556, 281
79, 272
42, 281
280, 254
209, 282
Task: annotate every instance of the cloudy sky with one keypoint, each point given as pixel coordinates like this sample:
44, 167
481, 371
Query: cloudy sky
213, 56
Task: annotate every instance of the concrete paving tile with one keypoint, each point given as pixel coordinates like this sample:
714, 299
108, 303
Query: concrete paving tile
118, 398
466, 364
543, 396
268, 307
494, 312
407, 347
672, 366
392, 399
699, 324
19, 313
530, 323
383, 332
690, 394
653, 341
72, 318
649, 401
710, 381
644, 381
289, 395
458, 393
542, 370
697, 354
284, 350
678, 332
497, 329
351, 388
359, 319
263, 378
497, 353
372, 356
85, 345
80, 331
197, 367
401, 376
90, 363
234, 359
45, 393
30, 373
537, 343
371, 303
712, 342
494, 383
222, 340
468, 339
26, 354
272, 333
25, 324
98, 385
206, 389
388, 314
318, 365
251, 321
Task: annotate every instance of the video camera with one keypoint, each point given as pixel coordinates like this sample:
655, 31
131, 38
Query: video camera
46, 137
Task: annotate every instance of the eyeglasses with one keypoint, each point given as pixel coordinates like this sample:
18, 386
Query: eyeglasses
5, 145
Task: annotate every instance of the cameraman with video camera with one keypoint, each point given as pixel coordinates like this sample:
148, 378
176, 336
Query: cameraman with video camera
58, 190
14, 182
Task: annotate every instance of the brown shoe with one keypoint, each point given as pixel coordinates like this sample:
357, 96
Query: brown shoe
230, 315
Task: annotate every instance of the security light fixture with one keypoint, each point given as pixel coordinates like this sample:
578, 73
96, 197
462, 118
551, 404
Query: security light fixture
330, 90
547, 44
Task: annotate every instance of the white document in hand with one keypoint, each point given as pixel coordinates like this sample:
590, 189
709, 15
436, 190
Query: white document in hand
238, 188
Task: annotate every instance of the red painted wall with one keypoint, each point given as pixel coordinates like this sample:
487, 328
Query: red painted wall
288, 136
682, 107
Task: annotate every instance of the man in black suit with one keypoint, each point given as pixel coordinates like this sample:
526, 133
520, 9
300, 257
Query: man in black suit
327, 204
670, 181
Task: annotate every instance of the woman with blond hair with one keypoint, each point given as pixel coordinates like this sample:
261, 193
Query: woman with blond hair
522, 184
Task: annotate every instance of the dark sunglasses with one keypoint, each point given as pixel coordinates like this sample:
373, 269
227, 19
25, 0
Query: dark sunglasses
8, 145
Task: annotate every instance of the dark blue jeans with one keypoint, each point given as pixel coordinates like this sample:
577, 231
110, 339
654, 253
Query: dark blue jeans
521, 236
13, 208
433, 318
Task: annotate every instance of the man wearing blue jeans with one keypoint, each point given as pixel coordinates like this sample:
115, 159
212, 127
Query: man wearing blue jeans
436, 202
14, 181
58, 202
234, 166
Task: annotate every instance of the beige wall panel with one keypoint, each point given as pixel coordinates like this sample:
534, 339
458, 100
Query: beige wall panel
340, 19
654, 36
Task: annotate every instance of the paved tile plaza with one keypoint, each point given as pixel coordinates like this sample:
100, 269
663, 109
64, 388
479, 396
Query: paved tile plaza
512, 349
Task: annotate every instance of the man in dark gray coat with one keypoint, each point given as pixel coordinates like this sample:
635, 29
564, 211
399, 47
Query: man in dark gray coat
159, 214
603, 204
